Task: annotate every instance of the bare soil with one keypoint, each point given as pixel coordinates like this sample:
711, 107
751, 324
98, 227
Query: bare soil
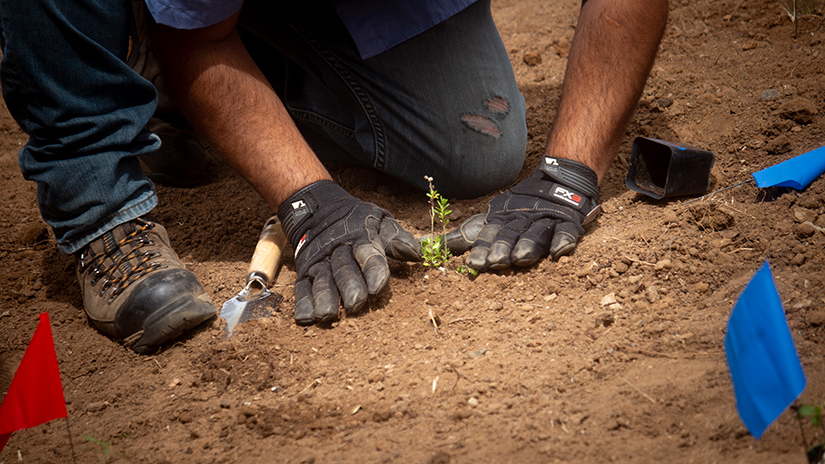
614, 353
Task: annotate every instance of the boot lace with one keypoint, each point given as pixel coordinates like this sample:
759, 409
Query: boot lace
132, 265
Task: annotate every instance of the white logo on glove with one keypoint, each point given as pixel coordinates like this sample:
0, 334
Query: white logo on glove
567, 196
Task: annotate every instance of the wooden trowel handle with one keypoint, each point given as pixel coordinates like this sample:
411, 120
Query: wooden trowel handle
268, 252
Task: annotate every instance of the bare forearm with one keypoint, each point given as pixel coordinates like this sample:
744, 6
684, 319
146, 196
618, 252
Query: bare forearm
224, 95
610, 58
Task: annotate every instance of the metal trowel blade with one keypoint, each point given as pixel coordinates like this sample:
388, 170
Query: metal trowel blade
239, 310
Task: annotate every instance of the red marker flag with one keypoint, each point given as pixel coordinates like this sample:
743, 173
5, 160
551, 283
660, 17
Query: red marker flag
36, 392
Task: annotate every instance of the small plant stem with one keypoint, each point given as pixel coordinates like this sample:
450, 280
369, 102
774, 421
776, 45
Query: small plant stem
795, 20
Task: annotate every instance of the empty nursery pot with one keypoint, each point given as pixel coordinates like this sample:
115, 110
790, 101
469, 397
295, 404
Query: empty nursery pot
662, 169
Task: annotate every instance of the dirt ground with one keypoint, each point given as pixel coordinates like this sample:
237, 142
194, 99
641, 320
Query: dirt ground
614, 353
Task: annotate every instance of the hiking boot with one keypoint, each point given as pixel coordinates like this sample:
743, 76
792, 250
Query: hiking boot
136, 290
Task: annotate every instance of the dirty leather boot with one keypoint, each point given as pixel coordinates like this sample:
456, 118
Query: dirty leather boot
136, 290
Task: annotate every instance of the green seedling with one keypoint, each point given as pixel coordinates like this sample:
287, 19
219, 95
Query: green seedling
812, 412
434, 248
466, 270
105, 448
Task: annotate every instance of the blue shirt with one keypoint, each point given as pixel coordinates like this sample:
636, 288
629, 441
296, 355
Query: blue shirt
375, 25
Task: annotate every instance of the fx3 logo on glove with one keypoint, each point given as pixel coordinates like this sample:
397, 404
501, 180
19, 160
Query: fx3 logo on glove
300, 210
568, 196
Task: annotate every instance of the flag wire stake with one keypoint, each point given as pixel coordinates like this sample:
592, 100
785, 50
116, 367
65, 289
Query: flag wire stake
717, 191
71, 442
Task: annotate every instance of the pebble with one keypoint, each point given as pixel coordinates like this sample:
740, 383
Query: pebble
563, 48
382, 414
532, 58
608, 299
801, 214
750, 45
477, 353
376, 375
769, 95
799, 110
96, 406
664, 102
652, 294
779, 144
804, 230
816, 318
663, 264
473, 401
496, 306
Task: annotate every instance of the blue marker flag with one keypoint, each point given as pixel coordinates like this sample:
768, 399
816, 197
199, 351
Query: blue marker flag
796, 172
765, 369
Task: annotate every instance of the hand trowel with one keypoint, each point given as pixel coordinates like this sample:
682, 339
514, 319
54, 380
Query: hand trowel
255, 300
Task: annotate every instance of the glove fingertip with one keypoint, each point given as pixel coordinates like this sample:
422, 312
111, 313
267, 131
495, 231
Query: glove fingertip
499, 256
303, 311
563, 244
477, 259
377, 278
354, 296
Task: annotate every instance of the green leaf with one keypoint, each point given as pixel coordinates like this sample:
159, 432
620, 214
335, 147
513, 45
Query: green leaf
806, 410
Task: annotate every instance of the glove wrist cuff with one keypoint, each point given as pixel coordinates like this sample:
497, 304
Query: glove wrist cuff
572, 174
298, 208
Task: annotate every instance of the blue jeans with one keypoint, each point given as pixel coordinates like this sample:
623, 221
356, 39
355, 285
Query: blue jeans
443, 104
66, 83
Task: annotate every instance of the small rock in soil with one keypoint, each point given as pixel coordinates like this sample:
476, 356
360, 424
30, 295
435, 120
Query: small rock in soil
701, 287
663, 264
778, 145
801, 214
816, 318
35, 232
608, 299
96, 406
563, 48
382, 414
804, 230
799, 110
532, 58
461, 414
652, 294
769, 95
477, 353
376, 375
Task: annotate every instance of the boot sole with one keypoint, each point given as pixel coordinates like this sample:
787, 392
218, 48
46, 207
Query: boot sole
180, 315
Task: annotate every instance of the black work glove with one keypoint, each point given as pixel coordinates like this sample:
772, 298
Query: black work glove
545, 212
341, 244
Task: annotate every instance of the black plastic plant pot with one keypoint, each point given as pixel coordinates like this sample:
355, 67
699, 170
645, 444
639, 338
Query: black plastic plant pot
662, 169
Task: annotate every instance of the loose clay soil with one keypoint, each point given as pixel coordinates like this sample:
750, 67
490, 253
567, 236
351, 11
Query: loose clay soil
613, 353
